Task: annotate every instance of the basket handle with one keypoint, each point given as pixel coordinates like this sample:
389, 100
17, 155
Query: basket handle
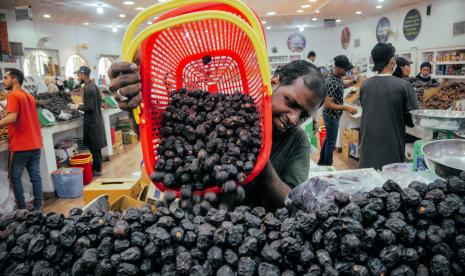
262, 57
169, 5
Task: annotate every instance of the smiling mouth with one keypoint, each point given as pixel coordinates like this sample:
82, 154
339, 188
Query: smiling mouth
280, 124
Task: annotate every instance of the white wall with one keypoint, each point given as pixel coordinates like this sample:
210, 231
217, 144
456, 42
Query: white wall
436, 29
321, 41
65, 38
436, 32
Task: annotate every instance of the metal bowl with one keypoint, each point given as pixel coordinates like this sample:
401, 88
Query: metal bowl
445, 157
439, 119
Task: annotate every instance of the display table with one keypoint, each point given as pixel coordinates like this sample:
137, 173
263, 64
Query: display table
53, 134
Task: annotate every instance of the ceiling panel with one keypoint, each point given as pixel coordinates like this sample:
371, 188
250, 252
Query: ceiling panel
77, 12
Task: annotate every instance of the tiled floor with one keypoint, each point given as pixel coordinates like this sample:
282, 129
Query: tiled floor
121, 166
128, 162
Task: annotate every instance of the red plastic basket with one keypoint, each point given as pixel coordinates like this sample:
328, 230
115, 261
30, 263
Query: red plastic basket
173, 60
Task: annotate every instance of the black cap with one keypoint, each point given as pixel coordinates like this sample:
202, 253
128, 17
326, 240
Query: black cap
381, 54
343, 62
83, 70
400, 61
425, 64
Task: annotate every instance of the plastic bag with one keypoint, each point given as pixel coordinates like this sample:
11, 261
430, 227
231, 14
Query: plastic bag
64, 116
7, 199
320, 189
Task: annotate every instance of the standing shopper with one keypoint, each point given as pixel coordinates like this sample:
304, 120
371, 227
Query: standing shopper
334, 105
386, 102
24, 137
94, 137
425, 74
403, 69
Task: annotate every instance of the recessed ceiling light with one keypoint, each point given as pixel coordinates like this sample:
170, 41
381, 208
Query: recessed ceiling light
268, 28
114, 29
379, 7
358, 12
338, 20
122, 15
161, 1
128, 2
99, 9
263, 22
47, 16
301, 29
317, 11
270, 13
300, 11
86, 23
312, 0
380, 1
139, 9
314, 19
305, 6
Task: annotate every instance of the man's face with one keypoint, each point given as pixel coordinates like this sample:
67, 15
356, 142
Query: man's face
292, 104
425, 71
341, 72
313, 58
8, 81
81, 78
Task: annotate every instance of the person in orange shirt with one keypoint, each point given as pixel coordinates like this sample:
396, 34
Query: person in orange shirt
24, 137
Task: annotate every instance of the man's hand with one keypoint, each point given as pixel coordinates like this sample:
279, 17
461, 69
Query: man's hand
125, 84
73, 106
351, 110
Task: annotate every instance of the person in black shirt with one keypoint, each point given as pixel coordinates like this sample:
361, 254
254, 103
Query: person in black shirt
94, 135
425, 74
386, 101
334, 105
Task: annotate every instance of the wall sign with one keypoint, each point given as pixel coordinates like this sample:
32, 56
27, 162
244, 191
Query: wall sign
296, 42
412, 24
383, 30
345, 38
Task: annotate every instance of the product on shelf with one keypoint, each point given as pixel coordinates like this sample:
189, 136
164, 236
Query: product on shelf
387, 231
207, 140
448, 93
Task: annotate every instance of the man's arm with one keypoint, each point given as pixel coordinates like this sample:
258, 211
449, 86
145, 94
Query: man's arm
332, 92
9, 119
272, 190
349, 83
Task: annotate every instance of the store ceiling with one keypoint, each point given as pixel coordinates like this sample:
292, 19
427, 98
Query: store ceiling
290, 14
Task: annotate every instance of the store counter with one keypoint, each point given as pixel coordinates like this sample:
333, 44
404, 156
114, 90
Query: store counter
53, 134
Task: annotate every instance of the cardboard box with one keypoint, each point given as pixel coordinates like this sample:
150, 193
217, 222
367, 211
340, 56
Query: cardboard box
117, 148
355, 136
144, 177
113, 187
118, 137
125, 202
345, 150
151, 194
354, 150
129, 138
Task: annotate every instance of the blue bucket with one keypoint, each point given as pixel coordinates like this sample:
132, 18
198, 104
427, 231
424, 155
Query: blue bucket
68, 182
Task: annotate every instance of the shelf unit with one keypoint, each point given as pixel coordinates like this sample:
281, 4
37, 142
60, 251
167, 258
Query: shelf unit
447, 63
